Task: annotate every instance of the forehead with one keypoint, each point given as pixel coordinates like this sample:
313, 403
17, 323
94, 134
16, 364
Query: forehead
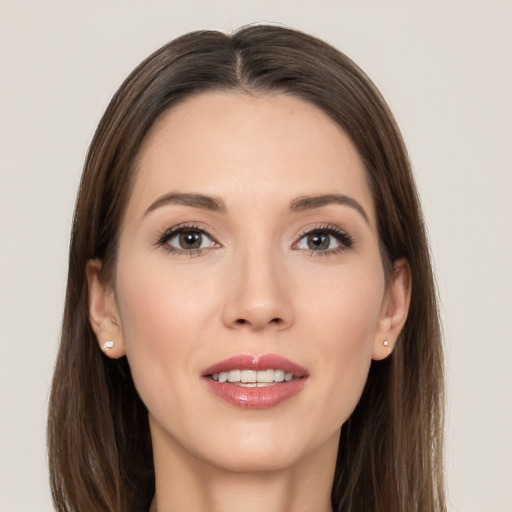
248, 148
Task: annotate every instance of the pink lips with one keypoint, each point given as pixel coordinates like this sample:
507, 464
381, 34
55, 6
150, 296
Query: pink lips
256, 397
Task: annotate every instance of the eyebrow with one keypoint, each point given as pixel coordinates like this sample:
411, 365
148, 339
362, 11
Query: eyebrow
216, 204
201, 201
305, 203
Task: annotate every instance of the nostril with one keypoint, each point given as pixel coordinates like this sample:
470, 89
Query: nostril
242, 321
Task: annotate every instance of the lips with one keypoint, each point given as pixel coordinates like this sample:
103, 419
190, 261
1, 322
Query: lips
255, 382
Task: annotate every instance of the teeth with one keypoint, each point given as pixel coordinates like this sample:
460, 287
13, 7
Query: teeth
278, 375
265, 376
234, 376
248, 376
253, 378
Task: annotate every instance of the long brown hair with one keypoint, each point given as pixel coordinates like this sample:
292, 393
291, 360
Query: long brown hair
390, 453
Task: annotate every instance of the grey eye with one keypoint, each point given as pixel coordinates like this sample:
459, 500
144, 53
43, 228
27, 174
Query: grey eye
318, 242
190, 240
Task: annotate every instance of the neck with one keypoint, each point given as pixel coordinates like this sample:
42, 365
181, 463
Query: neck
186, 483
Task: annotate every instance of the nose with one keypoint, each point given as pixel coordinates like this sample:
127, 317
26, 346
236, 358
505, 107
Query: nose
258, 294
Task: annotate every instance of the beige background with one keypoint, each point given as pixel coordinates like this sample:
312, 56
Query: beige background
446, 70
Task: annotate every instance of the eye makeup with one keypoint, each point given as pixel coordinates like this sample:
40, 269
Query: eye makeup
324, 240
186, 239
191, 239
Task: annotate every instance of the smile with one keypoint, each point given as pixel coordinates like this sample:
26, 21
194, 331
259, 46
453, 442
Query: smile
253, 378
255, 382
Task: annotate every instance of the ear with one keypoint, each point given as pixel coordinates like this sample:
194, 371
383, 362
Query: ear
395, 307
103, 312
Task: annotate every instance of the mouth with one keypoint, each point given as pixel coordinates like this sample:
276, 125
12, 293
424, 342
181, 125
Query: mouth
255, 382
253, 378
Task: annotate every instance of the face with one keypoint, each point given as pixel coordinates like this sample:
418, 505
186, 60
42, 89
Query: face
248, 252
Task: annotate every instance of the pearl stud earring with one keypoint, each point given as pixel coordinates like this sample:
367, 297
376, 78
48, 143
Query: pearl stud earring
108, 345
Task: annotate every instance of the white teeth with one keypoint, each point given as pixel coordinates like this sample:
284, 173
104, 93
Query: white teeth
253, 378
248, 376
265, 376
279, 375
234, 376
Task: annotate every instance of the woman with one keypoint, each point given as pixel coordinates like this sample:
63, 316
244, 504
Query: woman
250, 316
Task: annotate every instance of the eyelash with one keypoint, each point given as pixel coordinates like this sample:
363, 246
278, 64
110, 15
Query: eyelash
183, 228
344, 239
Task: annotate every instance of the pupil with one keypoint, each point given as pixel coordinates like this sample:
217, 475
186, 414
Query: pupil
318, 241
190, 240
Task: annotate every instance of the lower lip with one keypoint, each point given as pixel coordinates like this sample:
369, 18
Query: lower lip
255, 398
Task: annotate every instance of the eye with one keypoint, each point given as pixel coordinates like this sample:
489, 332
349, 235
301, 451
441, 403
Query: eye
186, 240
318, 242
324, 239
190, 240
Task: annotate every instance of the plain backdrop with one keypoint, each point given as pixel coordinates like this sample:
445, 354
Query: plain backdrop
446, 71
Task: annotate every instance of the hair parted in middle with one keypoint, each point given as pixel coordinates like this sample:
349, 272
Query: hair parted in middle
390, 453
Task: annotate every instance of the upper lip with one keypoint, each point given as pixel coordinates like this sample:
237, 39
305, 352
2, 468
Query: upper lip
252, 362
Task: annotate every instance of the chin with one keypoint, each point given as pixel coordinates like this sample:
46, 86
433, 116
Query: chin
256, 459
254, 448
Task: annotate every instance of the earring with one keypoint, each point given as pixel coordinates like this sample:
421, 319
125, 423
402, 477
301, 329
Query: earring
108, 345
386, 343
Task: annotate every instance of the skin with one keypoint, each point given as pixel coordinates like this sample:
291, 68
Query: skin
256, 287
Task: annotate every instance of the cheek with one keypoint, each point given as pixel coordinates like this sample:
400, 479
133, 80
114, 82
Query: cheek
344, 309
158, 306
344, 319
160, 317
